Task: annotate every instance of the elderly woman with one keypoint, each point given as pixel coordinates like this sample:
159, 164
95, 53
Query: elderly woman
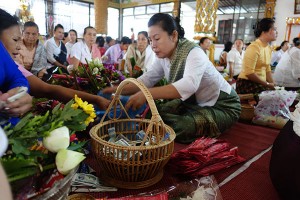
256, 75
202, 102
84, 49
32, 53
141, 54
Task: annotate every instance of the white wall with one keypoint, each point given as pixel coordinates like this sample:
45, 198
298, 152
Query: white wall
284, 9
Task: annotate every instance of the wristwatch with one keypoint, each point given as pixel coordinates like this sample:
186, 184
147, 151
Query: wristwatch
268, 83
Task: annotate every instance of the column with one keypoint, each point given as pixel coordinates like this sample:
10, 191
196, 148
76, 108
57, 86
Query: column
205, 23
269, 9
101, 16
176, 9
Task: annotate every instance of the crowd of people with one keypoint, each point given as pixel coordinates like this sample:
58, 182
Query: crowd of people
200, 101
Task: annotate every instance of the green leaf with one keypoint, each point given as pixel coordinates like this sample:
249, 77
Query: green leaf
18, 147
22, 122
75, 147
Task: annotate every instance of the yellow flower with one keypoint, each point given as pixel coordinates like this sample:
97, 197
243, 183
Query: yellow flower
88, 120
78, 100
86, 107
74, 105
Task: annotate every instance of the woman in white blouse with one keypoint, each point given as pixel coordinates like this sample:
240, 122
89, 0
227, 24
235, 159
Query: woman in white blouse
276, 56
201, 102
141, 54
84, 49
287, 71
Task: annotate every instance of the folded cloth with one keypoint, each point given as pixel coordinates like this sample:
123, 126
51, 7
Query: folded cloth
120, 114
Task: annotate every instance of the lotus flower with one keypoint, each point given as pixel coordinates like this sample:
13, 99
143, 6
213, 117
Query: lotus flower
58, 139
66, 160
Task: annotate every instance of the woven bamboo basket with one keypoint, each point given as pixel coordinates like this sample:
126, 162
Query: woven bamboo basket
247, 112
132, 167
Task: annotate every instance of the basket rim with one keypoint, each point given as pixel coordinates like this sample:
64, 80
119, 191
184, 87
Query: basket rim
94, 136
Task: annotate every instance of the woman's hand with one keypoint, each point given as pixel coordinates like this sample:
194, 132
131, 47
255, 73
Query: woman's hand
102, 103
271, 86
135, 101
19, 106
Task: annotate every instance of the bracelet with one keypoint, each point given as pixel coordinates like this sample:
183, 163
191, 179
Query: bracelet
268, 84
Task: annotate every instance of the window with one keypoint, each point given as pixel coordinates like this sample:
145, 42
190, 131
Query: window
113, 22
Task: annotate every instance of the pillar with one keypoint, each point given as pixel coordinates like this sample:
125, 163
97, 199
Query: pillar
205, 22
176, 8
269, 8
101, 16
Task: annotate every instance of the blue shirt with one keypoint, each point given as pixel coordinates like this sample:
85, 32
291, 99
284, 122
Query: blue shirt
10, 75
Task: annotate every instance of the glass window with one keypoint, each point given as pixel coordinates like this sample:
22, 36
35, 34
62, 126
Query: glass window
127, 11
152, 9
10, 7
140, 10
113, 23
92, 15
38, 12
166, 7
128, 23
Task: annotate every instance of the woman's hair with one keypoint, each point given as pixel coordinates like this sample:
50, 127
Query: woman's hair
100, 41
263, 25
281, 45
167, 23
58, 26
145, 33
125, 40
72, 30
31, 24
7, 21
228, 46
86, 28
202, 40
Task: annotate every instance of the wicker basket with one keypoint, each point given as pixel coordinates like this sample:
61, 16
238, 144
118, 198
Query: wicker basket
80, 196
132, 167
247, 112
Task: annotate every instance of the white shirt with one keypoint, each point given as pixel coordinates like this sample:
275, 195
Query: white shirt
81, 52
51, 50
287, 70
200, 78
236, 58
276, 56
69, 46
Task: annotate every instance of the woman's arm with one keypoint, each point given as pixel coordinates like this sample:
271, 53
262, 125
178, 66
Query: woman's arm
41, 89
75, 62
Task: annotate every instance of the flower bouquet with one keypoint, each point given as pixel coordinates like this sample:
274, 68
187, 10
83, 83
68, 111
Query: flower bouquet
90, 77
40, 143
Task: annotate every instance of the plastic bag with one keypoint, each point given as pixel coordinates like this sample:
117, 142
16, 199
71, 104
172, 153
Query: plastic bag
205, 188
273, 108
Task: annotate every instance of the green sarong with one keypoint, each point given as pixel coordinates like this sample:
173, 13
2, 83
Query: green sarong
191, 121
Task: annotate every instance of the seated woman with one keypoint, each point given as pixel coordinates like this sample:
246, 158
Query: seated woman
84, 50
11, 37
141, 54
256, 75
32, 53
223, 56
201, 102
287, 71
100, 44
10, 77
276, 56
73, 39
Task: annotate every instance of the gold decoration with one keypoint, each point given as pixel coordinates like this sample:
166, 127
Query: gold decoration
269, 8
101, 16
206, 14
24, 12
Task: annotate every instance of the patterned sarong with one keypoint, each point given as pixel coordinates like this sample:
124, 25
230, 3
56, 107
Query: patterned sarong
244, 86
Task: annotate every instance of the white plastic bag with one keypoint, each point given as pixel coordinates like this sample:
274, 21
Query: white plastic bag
273, 108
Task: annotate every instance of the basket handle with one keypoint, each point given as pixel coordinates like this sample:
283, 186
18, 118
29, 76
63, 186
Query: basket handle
155, 119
